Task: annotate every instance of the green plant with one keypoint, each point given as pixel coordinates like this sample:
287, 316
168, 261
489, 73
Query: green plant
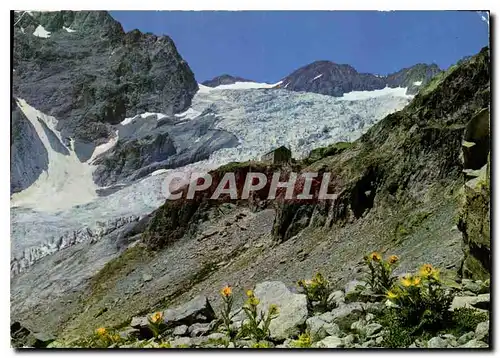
422, 301
380, 278
102, 338
304, 341
256, 326
260, 344
317, 291
466, 319
227, 316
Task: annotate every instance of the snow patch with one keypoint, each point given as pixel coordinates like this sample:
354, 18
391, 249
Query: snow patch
417, 83
387, 91
41, 32
66, 182
68, 29
143, 116
318, 76
103, 148
246, 85
286, 85
188, 114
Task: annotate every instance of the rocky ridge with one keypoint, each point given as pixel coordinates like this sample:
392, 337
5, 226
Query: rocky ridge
329, 78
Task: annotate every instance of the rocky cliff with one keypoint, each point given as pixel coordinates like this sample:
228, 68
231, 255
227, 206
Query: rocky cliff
83, 69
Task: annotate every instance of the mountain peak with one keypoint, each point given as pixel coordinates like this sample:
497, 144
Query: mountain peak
224, 79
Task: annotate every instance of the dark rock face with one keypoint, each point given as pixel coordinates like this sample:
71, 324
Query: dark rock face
94, 74
325, 77
411, 149
407, 77
224, 80
28, 156
149, 144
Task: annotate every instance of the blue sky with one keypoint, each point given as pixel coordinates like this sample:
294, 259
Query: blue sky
266, 46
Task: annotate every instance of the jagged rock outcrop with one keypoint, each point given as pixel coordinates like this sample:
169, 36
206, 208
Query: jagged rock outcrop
224, 80
334, 79
401, 155
474, 219
83, 69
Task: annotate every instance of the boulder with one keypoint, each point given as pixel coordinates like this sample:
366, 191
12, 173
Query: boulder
465, 338
482, 331
199, 329
292, 308
181, 342
329, 342
372, 329
481, 302
336, 298
437, 342
198, 310
315, 327
474, 343
181, 330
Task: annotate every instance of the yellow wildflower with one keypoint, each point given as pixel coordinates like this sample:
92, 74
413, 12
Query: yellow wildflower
273, 309
226, 291
249, 293
416, 280
156, 317
101, 331
393, 259
426, 270
375, 256
406, 281
392, 295
253, 301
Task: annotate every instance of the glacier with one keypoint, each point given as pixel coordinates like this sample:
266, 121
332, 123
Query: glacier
260, 116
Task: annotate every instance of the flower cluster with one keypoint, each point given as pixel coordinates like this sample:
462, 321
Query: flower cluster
317, 291
380, 276
421, 299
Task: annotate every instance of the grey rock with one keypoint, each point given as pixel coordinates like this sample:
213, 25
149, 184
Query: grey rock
482, 331
379, 340
451, 339
368, 344
147, 277
336, 298
199, 329
358, 326
292, 308
315, 327
181, 330
437, 342
327, 317
347, 310
369, 317
332, 329
372, 329
198, 310
216, 336
480, 302
465, 338
349, 340
181, 341
129, 332
471, 286
474, 343
329, 342
353, 290
139, 322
